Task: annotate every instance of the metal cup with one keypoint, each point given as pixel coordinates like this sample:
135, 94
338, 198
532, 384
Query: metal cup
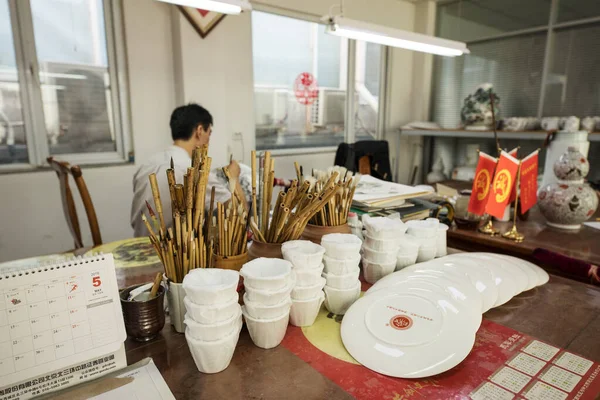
143, 319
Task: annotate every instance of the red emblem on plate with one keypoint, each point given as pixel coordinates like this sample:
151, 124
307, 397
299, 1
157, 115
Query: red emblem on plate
401, 322
305, 88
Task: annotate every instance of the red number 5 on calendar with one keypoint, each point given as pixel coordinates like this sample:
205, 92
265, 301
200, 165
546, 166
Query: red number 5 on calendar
96, 281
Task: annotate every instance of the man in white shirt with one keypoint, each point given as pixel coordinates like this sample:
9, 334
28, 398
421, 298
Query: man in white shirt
191, 126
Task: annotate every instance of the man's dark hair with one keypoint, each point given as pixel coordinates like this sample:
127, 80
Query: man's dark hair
185, 120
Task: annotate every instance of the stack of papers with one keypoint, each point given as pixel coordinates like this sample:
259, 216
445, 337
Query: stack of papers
372, 193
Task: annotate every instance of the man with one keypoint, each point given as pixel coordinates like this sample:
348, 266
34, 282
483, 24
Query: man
191, 126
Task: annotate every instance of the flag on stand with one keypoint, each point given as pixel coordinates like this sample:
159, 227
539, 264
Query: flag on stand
529, 174
481, 183
513, 194
506, 172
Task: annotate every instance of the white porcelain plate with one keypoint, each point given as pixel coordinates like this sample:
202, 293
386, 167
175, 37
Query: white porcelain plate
542, 276
407, 331
481, 278
443, 284
532, 277
520, 277
458, 280
505, 282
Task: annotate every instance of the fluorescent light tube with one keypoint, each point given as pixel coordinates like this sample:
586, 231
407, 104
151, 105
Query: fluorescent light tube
358, 30
220, 6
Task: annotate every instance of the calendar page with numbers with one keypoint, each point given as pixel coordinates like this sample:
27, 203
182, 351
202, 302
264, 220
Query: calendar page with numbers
56, 316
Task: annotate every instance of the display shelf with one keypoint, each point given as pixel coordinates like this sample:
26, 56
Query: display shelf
461, 133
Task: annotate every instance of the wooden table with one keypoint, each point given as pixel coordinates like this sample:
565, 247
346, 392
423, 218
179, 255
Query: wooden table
563, 312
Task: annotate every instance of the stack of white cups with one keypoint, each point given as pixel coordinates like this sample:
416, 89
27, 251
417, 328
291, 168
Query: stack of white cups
307, 296
425, 232
268, 283
341, 259
380, 248
213, 319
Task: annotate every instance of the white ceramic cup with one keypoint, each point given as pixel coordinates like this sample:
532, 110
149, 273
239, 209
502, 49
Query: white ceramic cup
307, 292
212, 332
212, 313
345, 281
408, 244
374, 271
308, 277
442, 249
266, 273
406, 259
338, 301
426, 253
206, 286
382, 244
340, 267
422, 228
303, 254
384, 227
342, 246
269, 297
260, 311
215, 356
384, 257
304, 312
266, 333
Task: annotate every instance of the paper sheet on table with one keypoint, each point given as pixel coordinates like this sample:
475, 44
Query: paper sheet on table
141, 380
373, 190
591, 224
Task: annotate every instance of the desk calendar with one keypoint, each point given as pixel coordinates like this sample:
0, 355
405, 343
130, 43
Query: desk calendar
54, 321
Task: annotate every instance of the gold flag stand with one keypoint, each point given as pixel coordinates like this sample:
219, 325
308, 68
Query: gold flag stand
489, 229
513, 234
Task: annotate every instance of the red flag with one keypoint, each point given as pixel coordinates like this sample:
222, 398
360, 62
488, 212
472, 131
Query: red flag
513, 194
481, 184
529, 173
506, 171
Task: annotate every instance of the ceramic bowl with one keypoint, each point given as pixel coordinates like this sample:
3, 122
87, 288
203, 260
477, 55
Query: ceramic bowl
384, 227
422, 228
405, 260
212, 332
266, 333
340, 267
408, 245
260, 311
308, 277
266, 273
441, 241
303, 254
374, 271
342, 246
206, 286
215, 356
338, 301
210, 314
307, 292
385, 257
304, 312
382, 244
426, 253
269, 297
345, 281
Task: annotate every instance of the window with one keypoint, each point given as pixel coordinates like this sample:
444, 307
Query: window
59, 91
542, 62
283, 49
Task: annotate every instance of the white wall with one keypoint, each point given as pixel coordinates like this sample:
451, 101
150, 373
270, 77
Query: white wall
169, 64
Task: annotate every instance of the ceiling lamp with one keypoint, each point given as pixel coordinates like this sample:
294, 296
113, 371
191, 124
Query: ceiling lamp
220, 6
358, 30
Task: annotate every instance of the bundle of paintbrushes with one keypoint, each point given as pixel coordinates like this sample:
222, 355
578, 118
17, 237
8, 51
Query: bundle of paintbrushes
186, 245
335, 211
293, 209
230, 225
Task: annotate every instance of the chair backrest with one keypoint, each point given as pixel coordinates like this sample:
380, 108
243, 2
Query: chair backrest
63, 170
367, 157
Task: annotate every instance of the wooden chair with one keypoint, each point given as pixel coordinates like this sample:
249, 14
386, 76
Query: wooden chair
63, 170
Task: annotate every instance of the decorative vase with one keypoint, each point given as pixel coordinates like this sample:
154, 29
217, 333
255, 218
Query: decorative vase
560, 143
567, 203
476, 113
175, 296
268, 250
314, 233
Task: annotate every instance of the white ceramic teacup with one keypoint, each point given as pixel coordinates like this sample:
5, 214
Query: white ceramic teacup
405, 260
422, 228
345, 281
307, 292
338, 301
214, 331
426, 253
266, 273
382, 244
384, 227
374, 271
261, 311
342, 246
266, 333
303, 254
304, 312
384, 257
441, 241
206, 286
269, 297
210, 314
340, 267
215, 356
308, 277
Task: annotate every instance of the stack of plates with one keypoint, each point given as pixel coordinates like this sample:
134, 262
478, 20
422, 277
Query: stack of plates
422, 320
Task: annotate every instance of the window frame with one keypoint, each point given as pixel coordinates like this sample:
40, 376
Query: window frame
31, 98
348, 69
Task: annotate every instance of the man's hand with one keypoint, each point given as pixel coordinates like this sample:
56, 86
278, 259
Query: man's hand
234, 169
